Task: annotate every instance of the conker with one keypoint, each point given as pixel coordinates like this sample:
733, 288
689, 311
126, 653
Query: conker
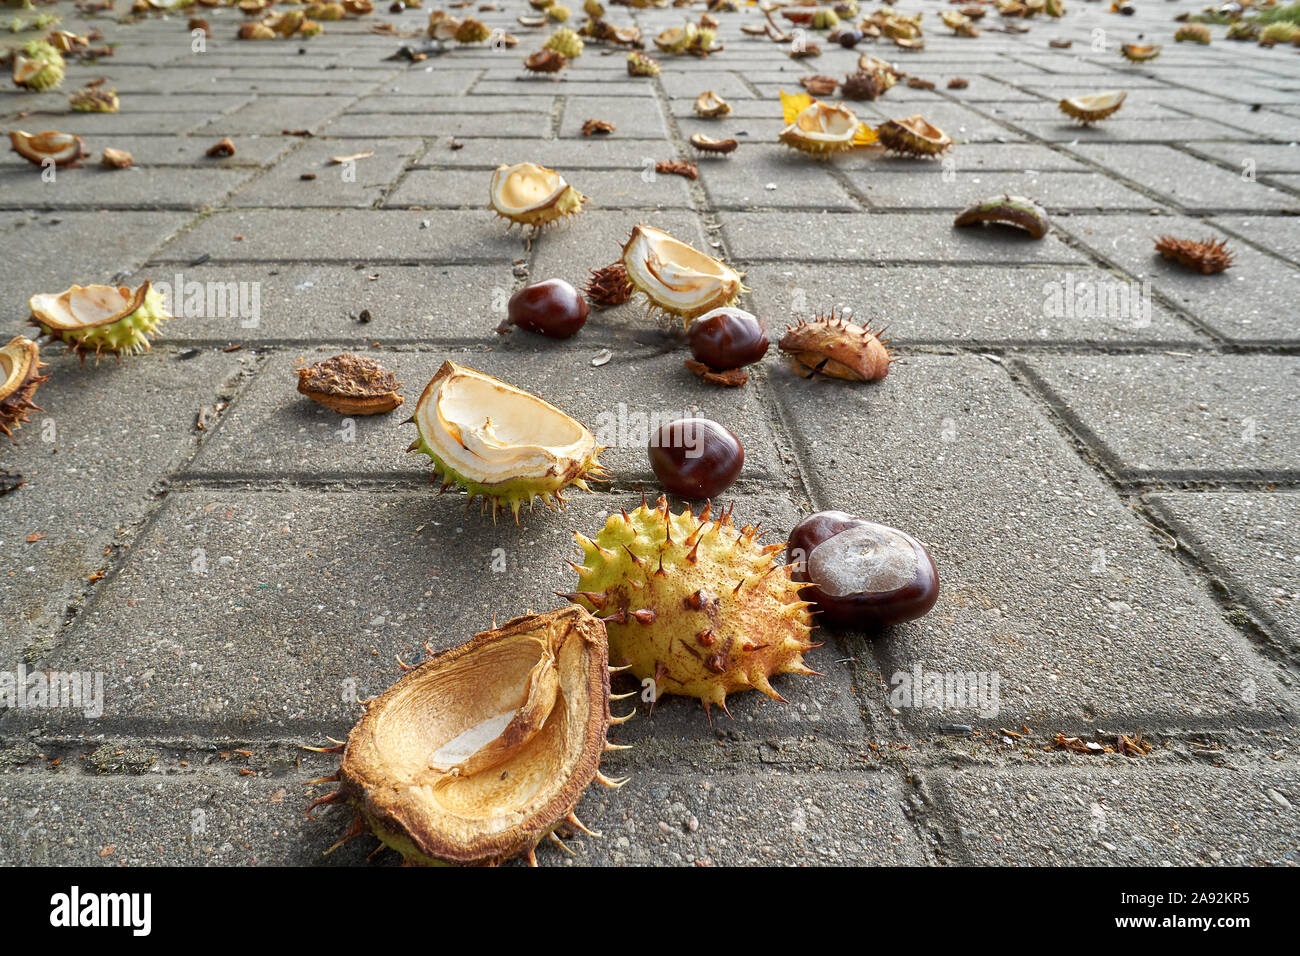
696, 457
727, 338
864, 575
553, 308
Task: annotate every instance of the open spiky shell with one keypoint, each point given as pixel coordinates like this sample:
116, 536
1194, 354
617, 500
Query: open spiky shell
1093, 107
553, 471
100, 319
478, 754
833, 346
693, 603
913, 136
20, 376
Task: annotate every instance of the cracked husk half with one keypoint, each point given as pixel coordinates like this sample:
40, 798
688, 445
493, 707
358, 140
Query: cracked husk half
500, 442
478, 754
821, 129
694, 604
533, 195
20, 376
61, 149
1093, 107
100, 318
675, 277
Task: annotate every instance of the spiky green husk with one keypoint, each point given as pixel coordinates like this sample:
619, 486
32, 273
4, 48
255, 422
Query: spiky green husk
1195, 32
638, 64
565, 41
91, 100
558, 12
569, 204
513, 495
819, 148
51, 73
472, 31
825, 20
694, 604
129, 335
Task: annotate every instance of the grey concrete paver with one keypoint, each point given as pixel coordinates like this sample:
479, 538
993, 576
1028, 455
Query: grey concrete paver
1123, 816
1252, 545
1183, 414
995, 306
1240, 304
92, 460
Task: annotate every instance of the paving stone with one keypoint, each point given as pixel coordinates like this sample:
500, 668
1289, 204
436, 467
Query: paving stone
1183, 415
1250, 542
348, 235
1276, 233
805, 820
274, 431
523, 124
47, 252
1193, 184
644, 121
188, 151
953, 189
267, 116
1267, 157
1118, 130
361, 182
880, 237
487, 153
969, 157
324, 623
1120, 817
208, 819
134, 188
312, 304
1239, 303
431, 109
66, 819
774, 176
108, 434
1046, 575
969, 307
623, 189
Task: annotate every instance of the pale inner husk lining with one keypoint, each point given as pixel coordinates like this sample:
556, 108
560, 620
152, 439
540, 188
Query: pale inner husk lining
465, 745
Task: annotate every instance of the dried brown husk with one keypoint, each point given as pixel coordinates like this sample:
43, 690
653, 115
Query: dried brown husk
609, 286
913, 136
707, 144
62, 149
833, 346
351, 385
1206, 256
546, 61
20, 376
478, 754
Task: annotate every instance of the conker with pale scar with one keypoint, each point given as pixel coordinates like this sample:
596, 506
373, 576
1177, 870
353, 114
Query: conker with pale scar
552, 308
696, 457
727, 338
864, 575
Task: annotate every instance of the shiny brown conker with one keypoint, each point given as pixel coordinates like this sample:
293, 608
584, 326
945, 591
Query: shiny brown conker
727, 338
553, 308
696, 457
864, 575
